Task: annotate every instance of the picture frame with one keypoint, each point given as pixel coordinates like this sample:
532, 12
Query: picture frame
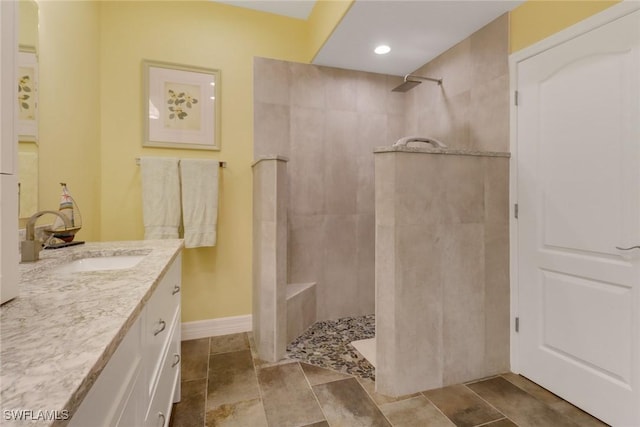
27, 94
181, 106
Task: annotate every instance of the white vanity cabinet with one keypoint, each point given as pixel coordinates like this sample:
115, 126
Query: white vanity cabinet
141, 381
162, 348
8, 153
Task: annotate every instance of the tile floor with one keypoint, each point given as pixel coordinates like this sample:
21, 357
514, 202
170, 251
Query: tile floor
224, 384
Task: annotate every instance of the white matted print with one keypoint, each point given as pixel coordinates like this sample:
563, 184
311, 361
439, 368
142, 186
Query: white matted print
27, 94
181, 106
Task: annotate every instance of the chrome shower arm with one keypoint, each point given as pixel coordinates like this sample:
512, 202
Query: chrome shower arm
410, 77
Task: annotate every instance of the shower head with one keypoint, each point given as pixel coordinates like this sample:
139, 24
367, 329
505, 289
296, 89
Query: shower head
411, 81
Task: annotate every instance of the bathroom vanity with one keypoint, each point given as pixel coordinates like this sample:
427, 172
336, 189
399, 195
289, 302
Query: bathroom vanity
94, 337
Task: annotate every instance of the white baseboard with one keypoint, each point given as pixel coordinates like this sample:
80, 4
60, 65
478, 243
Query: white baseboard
216, 327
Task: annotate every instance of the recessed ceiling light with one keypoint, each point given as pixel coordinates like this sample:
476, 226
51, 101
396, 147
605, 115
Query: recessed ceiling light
382, 49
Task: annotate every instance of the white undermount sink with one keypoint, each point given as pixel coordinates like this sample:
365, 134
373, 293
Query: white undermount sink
117, 262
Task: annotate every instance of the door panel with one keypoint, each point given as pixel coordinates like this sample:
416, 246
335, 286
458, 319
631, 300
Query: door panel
578, 142
571, 328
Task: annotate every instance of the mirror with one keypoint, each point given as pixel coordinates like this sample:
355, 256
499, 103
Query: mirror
28, 108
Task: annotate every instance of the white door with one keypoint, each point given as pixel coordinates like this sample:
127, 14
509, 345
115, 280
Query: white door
578, 187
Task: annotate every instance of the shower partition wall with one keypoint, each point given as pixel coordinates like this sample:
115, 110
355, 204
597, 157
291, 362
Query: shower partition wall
270, 256
442, 246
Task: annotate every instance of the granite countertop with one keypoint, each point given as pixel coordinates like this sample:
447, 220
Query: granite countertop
59, 333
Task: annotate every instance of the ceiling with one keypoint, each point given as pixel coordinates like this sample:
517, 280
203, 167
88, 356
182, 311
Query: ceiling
300, 9
416, 30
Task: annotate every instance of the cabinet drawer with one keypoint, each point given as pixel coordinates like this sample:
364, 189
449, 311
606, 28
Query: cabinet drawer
167, 380
166, 297
161, 314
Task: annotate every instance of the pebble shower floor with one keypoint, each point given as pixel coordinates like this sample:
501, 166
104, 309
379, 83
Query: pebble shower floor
327, 344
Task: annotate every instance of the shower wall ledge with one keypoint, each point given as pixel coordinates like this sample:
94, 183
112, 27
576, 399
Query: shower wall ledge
431, 150
270, 157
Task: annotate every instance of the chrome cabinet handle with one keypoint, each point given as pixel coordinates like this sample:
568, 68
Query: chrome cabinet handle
177, 360
163, 325
628, 249
162, 417
176, 289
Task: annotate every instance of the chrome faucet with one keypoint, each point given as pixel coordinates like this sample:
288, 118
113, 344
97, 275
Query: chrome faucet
30, 247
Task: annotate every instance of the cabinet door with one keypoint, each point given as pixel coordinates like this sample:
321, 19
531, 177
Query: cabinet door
8, 87
115, 397
9, 232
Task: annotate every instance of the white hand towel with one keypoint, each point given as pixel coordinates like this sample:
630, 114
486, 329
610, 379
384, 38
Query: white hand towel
160, 197
199, 201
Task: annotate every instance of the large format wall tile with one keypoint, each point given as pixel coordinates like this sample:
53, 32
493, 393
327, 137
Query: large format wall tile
271, 81
337, 295
371, 93
441, 270
496, 190
335, 120
271, 122
470, 109
341, 89
497, 298
270, 257
365, 258
306, 165
490, 50
340, 171
489, 114
306, 249
371, 133
463, 300
307, 86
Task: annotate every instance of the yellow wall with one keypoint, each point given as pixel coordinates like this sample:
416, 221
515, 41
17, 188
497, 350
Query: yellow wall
535, 20
217, 281
28, 27
69, 102
324, 18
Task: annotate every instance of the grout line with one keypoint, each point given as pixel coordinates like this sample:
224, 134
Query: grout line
374, 402
541, 401
438, 408
314, 393
206, 388
324, 416
485, 400
493, 421
255, 372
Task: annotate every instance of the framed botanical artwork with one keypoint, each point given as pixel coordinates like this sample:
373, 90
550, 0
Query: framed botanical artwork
181, 106
27, 94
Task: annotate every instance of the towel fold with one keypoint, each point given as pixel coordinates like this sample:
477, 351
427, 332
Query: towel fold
199, 201
160, 197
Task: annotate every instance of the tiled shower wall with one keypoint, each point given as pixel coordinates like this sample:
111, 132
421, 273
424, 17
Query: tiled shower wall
327, 122
471, 108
